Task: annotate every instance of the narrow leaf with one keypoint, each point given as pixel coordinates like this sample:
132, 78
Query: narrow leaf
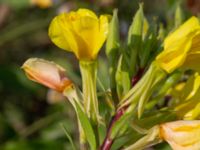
87, 127
68, 136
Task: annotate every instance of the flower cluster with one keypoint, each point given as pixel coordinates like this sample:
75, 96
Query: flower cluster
154, 80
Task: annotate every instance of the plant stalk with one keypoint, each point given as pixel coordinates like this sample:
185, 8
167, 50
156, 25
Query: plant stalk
108, 141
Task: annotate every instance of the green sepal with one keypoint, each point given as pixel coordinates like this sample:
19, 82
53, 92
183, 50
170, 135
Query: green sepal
135, 39
112, 52
142, 91
179, 16
149, 46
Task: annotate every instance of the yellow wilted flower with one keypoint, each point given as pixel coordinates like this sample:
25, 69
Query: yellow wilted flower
80, 32
182, 47
181, 135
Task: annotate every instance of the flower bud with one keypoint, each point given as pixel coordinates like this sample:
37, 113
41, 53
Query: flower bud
46, 73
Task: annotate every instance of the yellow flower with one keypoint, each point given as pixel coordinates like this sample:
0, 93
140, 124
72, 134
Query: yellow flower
46, 73
80, 32
42, 3
182, 47
182, 135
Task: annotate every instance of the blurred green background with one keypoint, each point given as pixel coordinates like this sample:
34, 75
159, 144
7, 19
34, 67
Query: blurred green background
31, 116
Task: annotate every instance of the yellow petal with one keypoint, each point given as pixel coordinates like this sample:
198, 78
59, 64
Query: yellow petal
170, 59
182, 135
192, 62
87, 13
179, 44
195, 43
184, 30
58, 33
102, 33
86, 31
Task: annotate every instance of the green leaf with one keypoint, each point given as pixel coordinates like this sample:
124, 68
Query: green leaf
68, 136
149, 46
87, 127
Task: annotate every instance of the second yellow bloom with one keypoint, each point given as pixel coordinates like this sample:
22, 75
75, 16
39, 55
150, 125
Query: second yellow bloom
182, 47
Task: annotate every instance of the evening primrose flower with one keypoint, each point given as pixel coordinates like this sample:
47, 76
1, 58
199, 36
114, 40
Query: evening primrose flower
46, 73
80, 32
181, 47
181, 135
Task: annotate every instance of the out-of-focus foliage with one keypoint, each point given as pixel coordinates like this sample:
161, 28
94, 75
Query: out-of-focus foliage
30, 115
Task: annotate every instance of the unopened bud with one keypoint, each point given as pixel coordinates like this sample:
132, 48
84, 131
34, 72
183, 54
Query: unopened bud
46, 73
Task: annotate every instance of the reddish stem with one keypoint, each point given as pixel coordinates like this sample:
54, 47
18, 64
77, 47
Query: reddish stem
137, 77
108, 141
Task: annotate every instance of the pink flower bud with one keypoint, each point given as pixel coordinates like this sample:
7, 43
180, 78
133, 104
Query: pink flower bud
46, 73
